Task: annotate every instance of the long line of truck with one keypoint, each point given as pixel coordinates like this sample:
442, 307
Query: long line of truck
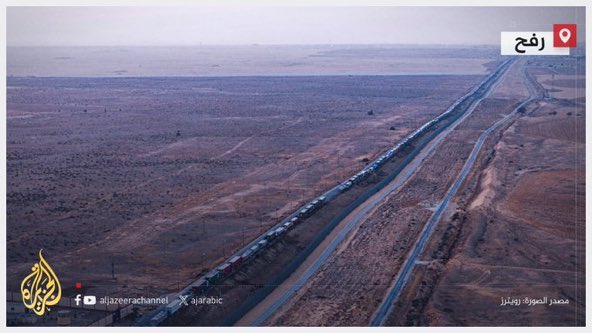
257, 246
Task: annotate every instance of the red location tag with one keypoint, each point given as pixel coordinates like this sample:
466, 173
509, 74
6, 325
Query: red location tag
564, 35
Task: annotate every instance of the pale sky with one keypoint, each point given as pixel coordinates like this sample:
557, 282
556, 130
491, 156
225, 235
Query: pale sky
136, 26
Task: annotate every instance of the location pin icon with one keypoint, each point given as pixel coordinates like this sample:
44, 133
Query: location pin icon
564, 35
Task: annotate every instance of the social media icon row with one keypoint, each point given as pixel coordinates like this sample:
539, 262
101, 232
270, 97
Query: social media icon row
86, 300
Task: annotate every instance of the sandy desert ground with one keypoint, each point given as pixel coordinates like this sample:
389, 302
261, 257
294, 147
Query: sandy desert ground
164, 177
518, 230
519, 233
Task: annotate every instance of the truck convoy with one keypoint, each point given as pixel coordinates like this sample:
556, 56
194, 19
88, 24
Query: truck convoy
232, 265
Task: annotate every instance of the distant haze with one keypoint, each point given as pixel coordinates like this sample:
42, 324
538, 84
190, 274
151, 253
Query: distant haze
163, 26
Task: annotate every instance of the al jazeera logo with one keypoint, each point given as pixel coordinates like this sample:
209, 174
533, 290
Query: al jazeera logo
41, 289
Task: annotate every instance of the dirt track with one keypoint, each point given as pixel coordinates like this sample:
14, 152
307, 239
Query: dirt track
519, 231
351, 284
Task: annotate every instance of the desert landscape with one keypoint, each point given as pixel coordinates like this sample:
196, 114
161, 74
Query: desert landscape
518, 229
295, 166
160, 178
139, 182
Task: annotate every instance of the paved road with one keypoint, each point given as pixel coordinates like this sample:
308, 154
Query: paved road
330, 195
353, 220
385, 307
